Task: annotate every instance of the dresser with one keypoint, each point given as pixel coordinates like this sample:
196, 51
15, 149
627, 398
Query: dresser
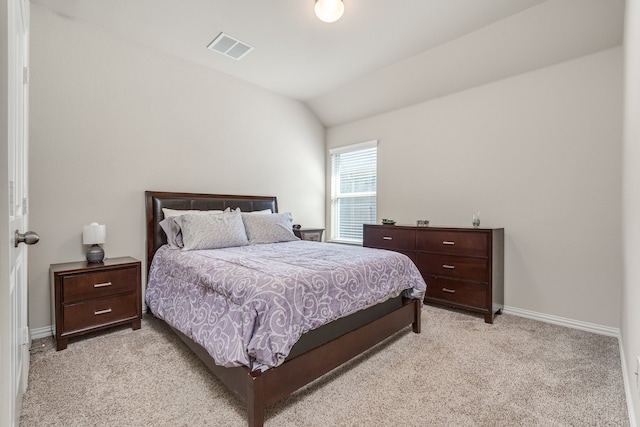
91, 296
463, 267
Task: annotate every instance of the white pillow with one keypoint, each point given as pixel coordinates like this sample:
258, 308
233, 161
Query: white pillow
264, 211
168, 213
212, 231
173, 232
273, 228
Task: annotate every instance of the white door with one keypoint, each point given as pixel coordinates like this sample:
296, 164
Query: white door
17, 125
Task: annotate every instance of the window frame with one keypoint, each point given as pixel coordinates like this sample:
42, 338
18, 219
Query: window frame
335, 184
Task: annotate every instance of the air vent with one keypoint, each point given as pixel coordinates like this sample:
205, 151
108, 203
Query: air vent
230, 46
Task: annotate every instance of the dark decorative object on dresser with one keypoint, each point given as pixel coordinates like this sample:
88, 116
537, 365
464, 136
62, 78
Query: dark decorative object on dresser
463, 267
90, 296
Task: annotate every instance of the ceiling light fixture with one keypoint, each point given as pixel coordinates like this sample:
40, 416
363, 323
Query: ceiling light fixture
329, 10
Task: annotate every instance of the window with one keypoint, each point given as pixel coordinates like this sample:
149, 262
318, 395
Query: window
353, 190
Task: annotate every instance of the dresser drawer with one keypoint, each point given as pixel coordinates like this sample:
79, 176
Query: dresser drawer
458, 267
98, 284
452, 242
470, 294
100, 311
389, 238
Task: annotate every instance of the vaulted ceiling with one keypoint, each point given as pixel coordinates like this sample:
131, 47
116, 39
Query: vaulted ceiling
381, 55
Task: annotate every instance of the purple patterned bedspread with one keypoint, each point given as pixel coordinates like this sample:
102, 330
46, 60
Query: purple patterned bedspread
249, 305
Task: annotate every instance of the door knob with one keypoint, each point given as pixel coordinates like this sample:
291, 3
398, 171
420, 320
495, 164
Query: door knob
30, 238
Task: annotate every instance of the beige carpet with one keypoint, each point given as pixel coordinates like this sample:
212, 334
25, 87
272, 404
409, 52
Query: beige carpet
458, 372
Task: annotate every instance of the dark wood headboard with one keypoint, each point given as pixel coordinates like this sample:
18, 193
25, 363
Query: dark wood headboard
156, 200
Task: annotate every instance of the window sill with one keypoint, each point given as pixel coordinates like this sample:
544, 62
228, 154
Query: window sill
345, 242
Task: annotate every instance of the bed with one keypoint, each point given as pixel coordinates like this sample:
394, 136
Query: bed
316, 351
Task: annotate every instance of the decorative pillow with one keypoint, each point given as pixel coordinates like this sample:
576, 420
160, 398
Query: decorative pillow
273, 228
213, 231
173, 232
171, 224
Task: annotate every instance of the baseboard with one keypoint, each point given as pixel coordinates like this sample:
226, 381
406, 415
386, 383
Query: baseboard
563, 321
627, 387
44, 332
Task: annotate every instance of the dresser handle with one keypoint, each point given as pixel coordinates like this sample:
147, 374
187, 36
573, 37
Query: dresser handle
449, 291
450, 267
448, 243
387, 238
102, 285
108, 310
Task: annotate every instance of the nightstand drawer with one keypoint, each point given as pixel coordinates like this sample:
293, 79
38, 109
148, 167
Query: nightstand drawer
98, 284
389, 238
458, 267
469, 294
453, 242
100, 311
311, 234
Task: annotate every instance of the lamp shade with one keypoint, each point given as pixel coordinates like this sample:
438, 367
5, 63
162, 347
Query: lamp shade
329, 10
94, 234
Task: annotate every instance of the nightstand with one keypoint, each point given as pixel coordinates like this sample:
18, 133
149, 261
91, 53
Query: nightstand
313, 234
87, 297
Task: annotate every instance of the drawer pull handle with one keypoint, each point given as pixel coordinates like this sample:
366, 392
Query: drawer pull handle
449, 291
387, 238
446, 242
450, 267
102, 285
108, 310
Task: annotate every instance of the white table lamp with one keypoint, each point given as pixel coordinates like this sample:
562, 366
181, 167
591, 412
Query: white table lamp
94, 234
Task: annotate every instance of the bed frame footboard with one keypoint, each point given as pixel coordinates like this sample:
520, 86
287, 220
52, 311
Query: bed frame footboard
258, 390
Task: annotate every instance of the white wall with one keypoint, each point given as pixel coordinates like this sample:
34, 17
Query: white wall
110, 120
538, 154
631, 204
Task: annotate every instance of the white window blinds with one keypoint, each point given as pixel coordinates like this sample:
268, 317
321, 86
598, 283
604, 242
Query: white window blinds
353, 190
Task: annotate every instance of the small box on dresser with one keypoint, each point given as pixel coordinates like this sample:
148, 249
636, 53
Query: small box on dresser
463, 267
91, 296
